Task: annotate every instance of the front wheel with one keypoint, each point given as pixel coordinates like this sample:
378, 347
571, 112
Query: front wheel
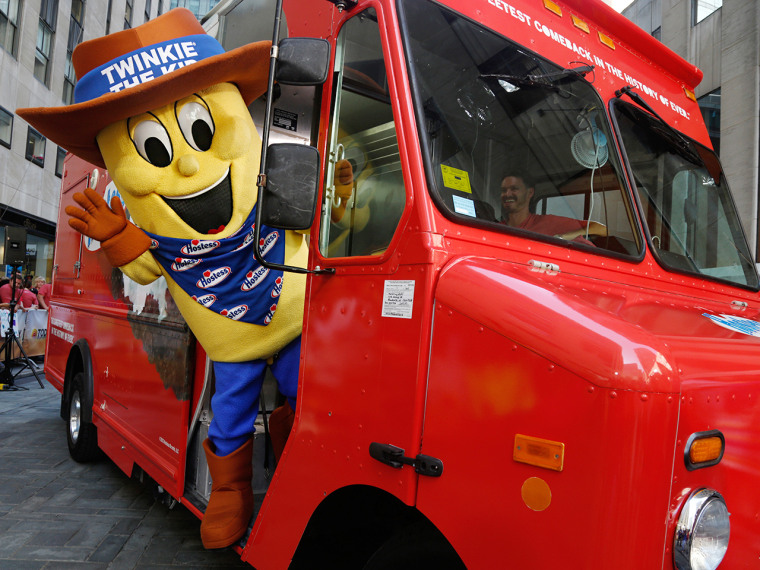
82, 436
411, 548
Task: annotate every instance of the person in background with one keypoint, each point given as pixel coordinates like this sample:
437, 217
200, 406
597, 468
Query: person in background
25, 299
42, 289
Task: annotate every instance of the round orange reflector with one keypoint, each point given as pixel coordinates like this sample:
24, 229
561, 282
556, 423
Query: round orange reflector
536, 494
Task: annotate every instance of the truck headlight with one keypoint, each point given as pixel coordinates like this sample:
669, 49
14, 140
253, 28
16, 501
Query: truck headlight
702, 532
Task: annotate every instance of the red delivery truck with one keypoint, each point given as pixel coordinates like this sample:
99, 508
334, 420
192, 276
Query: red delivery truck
530, 336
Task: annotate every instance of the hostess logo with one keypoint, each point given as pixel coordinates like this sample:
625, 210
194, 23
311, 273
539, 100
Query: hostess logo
153, 244
144, 65
270, 314
234, 313
183, 264
205, 300
254, 278
265, 244
277, 288
213, 277
247, 241
197, 247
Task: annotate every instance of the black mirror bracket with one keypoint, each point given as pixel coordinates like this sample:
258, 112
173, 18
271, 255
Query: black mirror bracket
257, 238
344, 4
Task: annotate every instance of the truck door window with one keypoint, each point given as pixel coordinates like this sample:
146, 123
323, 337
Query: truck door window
692, 220
362, 205
488, 109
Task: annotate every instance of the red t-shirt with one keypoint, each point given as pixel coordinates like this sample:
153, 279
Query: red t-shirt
24, 297
45, 292
550, 225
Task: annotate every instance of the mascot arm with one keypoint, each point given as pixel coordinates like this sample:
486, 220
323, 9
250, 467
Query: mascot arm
143, 270
343, 181
120, 239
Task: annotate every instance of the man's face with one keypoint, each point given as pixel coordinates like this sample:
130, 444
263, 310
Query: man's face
515, 197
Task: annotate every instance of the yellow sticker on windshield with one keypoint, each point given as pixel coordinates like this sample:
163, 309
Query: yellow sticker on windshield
456, 179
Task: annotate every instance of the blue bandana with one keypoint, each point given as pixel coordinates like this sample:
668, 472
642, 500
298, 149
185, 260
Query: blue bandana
145, 64
222, 275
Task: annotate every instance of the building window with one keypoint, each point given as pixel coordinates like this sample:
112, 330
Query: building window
42, 54
700, 9
59, 162
160, 8
6, 127
45, 33
9, 12
147, 10
108, 17
657, 34
75, 36
128, 15
710, 106
35, 147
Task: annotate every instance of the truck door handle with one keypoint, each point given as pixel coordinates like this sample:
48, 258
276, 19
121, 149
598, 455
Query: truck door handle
394, 456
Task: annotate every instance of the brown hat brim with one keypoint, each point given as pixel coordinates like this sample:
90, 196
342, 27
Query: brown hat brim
75, 127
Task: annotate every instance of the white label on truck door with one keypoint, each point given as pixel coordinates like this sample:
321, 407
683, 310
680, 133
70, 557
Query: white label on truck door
398, 298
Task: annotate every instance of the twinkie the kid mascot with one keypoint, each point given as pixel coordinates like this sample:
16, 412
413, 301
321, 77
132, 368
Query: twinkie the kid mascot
163, 107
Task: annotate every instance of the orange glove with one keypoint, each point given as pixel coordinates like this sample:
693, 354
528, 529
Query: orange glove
121, 240
344, 188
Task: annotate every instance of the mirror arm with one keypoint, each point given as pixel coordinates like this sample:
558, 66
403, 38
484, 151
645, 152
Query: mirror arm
261, 181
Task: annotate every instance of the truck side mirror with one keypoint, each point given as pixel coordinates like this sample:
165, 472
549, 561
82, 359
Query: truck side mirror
303, 61
289, 199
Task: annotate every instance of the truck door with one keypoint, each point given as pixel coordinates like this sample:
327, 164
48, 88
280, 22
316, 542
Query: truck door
362, 320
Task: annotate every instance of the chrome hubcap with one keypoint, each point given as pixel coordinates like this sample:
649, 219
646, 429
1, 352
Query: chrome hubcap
75, 417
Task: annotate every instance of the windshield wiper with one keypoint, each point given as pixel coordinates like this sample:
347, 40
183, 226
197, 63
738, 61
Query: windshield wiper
512, 83
683, 146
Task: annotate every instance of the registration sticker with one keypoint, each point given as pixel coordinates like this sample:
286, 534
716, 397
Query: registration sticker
456, 179
464, 206
736, 324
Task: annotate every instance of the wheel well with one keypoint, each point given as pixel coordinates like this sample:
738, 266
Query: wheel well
79, 360
351, 524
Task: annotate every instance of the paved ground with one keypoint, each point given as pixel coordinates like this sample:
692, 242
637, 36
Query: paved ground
59, 514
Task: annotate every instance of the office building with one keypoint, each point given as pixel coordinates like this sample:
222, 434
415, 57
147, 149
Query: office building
37, 38
722, 38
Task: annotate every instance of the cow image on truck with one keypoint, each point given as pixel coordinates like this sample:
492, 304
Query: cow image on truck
471, 394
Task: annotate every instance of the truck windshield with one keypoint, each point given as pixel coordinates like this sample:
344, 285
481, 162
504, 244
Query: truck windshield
685, 201
511, 141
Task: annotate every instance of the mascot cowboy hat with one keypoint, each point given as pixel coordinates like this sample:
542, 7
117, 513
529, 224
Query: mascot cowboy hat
135, 70
164, 107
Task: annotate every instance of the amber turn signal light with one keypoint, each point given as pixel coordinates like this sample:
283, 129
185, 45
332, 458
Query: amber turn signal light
704, 449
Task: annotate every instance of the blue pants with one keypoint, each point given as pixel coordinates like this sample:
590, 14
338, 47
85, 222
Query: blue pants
235, 402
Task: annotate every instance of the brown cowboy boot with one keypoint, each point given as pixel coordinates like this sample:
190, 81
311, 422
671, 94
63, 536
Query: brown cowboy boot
230, 505
280, 424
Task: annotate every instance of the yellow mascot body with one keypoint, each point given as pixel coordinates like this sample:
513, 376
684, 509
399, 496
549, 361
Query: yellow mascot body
164, 108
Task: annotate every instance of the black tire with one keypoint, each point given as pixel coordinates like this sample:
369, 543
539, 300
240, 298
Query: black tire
82, 436
412, 548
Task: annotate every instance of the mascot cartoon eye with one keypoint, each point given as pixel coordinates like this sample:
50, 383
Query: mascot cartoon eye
153, 143
197, 125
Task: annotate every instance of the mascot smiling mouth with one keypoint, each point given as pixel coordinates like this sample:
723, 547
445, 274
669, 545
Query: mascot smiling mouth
207, 211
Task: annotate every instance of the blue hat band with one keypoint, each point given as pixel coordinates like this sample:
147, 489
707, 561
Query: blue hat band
144, 65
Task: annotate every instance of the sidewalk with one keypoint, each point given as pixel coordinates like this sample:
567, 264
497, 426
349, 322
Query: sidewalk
59, 514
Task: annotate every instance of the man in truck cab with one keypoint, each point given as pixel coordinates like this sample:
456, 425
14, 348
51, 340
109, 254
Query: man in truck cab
517, 191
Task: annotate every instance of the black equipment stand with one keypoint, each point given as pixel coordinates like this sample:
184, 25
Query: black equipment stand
7, 378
